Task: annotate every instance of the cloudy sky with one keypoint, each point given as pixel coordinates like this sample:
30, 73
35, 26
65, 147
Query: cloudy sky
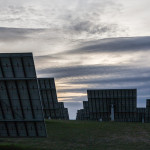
84, 44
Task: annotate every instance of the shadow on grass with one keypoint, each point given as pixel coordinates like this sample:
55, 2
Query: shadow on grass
13, 147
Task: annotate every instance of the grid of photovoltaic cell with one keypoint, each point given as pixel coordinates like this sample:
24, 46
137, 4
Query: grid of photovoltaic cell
51, 107
21, 113
98, 106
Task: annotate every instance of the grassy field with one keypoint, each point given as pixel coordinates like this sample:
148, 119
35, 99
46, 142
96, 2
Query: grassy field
78, 135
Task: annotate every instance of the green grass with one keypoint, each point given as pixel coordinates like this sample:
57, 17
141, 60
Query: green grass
78, 135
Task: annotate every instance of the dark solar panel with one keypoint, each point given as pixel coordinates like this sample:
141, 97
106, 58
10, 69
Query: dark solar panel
21, 111
52, 108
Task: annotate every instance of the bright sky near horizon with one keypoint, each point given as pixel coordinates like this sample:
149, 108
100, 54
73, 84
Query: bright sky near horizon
84, 44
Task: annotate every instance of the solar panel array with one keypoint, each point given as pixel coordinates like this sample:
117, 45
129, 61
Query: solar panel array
21, 113
52, 108
98, 106
147, 115
63, 111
